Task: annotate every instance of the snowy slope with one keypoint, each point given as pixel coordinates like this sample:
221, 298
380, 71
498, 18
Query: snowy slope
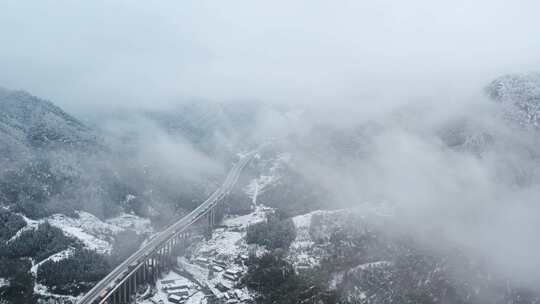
520, 93
301, 249
271, 174
94, 233
42, 290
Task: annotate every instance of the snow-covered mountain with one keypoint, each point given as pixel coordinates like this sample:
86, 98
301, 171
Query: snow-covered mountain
42, 153
520, 93
31, 122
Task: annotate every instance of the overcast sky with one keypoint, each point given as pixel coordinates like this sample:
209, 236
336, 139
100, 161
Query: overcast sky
151, 52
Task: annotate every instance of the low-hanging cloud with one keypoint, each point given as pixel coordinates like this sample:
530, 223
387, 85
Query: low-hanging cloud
479, 195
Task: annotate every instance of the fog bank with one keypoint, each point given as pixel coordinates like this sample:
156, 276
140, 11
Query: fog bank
124, 54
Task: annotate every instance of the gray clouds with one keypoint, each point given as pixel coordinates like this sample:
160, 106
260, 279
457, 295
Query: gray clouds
477, 191
148, 53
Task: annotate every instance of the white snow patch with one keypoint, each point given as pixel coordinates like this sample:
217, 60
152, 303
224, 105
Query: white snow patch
95, 234
201, 275
303, 253
371, 265
196, 298
337, 278
300, 250
30, 225
227, 243
132, 222
259, 185
4, 282
86, 221
241, 222
264, 181
42, 290
161, 294
64, 254
29, 222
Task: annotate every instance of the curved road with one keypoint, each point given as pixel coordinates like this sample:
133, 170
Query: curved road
108, 284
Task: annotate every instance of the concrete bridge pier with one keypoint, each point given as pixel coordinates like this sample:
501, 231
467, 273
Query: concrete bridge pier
176, 244
150, 275
164, 260
172, 252
180, 243
207, 228
134, 281
218, 215
117, 297
128, 290
154, 267
124, 292
138, 278
160, 262
184, 239
165, 257
119, 293
168, 256
144, 272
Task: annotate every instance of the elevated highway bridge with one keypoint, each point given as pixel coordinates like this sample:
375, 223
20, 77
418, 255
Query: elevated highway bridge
157, 255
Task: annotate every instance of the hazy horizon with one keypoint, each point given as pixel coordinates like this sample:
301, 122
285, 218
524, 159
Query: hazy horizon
122, 54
